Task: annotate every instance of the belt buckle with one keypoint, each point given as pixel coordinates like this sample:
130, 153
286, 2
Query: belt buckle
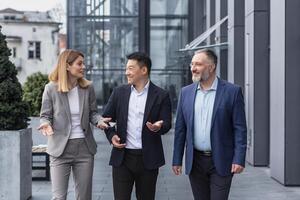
206, 153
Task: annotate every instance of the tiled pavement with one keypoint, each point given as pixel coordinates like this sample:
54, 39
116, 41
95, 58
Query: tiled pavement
253, 184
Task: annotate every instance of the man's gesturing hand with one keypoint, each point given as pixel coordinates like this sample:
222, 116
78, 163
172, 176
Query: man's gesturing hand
236, 169
177, 170
115, 140
156, 126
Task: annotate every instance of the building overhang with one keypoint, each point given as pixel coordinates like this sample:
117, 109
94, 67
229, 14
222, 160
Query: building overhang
14, 38
196, 43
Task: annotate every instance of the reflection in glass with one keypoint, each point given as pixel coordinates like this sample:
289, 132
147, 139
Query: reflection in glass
168, 34
105, 31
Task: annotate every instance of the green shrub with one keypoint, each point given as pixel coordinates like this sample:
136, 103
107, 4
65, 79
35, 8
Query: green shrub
33, 92
13, 111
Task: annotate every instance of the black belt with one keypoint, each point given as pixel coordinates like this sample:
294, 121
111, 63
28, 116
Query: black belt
203, 153
134, 151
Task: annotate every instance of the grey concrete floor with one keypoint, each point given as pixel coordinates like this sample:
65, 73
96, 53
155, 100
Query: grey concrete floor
253, 184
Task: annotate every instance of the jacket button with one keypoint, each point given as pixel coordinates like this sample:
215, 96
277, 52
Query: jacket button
83, 130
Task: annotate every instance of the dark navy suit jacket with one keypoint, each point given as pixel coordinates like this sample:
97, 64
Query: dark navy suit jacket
228, 128
158, 107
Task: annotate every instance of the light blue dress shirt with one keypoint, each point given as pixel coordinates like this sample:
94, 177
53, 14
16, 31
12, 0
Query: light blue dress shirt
203, 110
136, 109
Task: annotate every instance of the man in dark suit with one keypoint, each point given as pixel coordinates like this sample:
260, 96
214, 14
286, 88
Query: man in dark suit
142, 112
211, 124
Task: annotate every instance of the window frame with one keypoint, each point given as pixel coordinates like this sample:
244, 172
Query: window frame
34, 50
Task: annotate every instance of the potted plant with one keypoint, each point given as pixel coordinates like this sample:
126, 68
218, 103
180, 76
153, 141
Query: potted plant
15, 137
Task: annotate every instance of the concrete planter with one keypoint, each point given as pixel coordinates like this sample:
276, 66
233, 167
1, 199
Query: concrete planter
15, 164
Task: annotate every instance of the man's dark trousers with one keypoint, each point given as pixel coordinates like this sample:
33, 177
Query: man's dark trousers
206, 183
132, 171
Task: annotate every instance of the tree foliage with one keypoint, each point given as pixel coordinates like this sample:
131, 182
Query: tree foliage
33, 91
14, 111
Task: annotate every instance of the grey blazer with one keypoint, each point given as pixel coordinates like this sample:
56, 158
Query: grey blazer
55, 110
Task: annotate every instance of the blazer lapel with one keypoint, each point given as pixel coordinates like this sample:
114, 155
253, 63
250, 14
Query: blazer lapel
64, 99
219, 94
192, 105
151, 97
126, 104
81, 95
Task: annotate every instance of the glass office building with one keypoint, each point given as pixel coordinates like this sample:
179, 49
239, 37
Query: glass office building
107, 30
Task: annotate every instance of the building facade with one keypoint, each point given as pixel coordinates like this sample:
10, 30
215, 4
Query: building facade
257, 46
33, 40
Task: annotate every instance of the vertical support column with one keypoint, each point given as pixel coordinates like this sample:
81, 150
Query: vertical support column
115, 34
220, 37
196, 22
144, 26
257, 80
236, 41
195, 18
285, 92
68, 24
210, 19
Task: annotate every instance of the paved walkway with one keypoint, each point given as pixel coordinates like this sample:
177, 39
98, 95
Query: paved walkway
253, 184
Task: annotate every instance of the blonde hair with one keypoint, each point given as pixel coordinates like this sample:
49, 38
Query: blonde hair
60, 76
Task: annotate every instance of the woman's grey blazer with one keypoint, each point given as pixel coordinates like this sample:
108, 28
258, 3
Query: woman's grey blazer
55, 110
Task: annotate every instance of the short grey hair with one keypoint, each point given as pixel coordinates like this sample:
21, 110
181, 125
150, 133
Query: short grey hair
210, 54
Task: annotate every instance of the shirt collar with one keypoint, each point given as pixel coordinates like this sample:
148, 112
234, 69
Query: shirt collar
213, 86
145, 89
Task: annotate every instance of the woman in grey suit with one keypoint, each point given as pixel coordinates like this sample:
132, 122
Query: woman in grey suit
68, 109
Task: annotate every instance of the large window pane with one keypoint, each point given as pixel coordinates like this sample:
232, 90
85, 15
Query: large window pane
102, 7
167, 7
105, 31
168, 34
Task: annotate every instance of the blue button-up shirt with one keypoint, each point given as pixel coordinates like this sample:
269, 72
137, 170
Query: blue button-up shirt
203, 110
